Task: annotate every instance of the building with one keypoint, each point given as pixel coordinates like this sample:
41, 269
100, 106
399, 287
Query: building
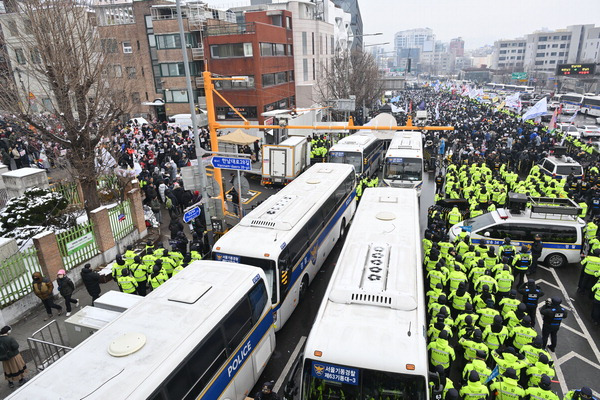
351, 7
261, 49
124, 29
314, 40
509, 55
590, 52
409, 44
457, 47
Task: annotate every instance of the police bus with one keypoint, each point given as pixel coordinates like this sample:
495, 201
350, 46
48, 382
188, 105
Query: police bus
403, 165
591, 106
571, 102
206, 333
291, 233
362, 150
368, 340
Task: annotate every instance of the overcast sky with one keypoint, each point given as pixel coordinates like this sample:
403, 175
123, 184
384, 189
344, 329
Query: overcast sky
478, 22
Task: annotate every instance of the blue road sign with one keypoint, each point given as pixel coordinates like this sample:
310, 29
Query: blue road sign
192, 213
240, 164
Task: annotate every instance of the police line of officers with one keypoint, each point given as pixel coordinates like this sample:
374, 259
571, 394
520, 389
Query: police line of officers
136, 274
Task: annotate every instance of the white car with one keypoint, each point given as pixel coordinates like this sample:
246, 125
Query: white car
569, 109
553, 105
589, 130
569, 129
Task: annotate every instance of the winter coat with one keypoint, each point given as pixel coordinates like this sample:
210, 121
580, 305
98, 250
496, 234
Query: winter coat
65, 286
8, 347
161, 190
91, 280
42, 287
537, 247
175, 227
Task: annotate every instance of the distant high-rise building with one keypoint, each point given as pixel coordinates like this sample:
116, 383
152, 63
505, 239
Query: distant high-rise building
411, 43
457, 47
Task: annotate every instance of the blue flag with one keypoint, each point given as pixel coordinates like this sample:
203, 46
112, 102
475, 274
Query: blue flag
493, 375
422, 105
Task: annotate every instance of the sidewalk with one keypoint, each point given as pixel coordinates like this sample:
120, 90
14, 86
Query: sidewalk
34, 321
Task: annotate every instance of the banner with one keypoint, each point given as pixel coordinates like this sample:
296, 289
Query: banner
540, 108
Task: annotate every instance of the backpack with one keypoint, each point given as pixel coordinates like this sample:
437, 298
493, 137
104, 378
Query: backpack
169, 203
155, 205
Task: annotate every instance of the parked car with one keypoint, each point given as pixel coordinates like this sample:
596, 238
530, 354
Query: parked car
569, 108
553, 105
589, 130
569, 129
138, 121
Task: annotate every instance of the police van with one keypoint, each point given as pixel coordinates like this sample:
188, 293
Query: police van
560, 167
555, 220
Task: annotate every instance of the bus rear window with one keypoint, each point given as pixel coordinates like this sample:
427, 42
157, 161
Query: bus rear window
567, 169
265, 264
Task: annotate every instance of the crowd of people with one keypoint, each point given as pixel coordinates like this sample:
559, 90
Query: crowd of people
482, 301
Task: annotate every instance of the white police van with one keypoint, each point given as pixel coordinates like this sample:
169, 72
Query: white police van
555, 220
560, 167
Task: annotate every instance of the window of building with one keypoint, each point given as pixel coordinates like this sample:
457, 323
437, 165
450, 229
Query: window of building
313, 43
281, 77
543, 39
304, 43
554, 37
231, 50
561, 54
268, 80
501, 58
521, 44
272, 49
131, 72
552, 61
291, 76
20, 56
109, 45
276, 20
127, 49
554, 46
135, 98
27, 26
117, 71
176, 96
553, 54
12, 27
539, 63
519, 57
565, 37
36, 57
541, 46
178, 69
229, 85
288, 22
305, 69
503, 44
332, 44
172, 41
513, 51
290, 50
503, 51
314, 70
563, 45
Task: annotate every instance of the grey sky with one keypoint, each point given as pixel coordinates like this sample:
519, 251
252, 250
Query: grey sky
478, 22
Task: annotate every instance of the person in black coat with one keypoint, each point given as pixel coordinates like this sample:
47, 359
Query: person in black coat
91, 280
536, 252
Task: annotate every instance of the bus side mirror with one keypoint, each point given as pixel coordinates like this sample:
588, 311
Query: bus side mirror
290, 391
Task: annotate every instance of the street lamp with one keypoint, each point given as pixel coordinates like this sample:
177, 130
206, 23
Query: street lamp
376, 44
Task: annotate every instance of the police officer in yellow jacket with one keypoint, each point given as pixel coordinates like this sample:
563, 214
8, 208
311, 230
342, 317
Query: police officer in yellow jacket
543, 391
127, 283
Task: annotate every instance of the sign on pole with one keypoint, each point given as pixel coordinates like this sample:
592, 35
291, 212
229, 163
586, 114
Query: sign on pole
519, 75
238, 164
191, 213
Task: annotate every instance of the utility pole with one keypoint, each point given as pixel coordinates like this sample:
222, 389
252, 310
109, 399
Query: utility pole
199, 151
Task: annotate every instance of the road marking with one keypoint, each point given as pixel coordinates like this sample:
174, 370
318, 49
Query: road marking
547, 283
289, 364
573, 330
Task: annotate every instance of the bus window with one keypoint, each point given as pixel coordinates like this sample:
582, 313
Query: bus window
238, 324
258, 300
347, 157
206, 361
407, 169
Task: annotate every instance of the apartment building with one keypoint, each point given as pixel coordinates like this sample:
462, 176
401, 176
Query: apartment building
509, 54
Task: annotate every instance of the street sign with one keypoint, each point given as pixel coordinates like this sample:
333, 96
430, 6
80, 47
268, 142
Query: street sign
239, 164
191, 213
519, 75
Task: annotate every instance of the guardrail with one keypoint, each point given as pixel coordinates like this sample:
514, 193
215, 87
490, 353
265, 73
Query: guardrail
47, 345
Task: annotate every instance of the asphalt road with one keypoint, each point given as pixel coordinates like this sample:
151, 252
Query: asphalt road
577, 358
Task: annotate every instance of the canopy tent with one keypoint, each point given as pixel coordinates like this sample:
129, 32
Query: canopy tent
238, 137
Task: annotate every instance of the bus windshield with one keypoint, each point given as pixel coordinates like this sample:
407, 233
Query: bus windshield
403, 169
481, 221
327, 381
347, 157
266, 265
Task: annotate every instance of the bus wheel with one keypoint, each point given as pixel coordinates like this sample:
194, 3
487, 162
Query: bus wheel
556, 260
343, 228
303, 287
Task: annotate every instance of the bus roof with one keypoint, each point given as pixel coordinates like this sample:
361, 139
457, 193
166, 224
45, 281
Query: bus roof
173, 319
406, 144
356, 142
374, 304
268, 227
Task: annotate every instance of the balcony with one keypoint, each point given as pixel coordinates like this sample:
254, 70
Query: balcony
230, 29
198, 53
199, 82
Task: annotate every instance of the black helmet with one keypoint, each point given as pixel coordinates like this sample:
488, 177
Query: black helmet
452, 394
125, 272
268, 386
473, 376
597, 252
586, 392
497, 320
512, 294
556, 300
545, 382
443, 335
526, 321
137, 259
477, 335
510, 373
442, 299
480, 354
538, 342
543, 358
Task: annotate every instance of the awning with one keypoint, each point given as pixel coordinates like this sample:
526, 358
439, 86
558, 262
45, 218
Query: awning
156, 103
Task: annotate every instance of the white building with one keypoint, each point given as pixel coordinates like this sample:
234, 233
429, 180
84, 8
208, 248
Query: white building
590, 51
509, 54
546, 49
409, 44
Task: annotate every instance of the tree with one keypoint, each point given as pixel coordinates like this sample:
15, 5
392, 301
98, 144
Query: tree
351, 73
65, 82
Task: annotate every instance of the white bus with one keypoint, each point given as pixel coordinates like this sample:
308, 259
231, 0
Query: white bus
207, 333
571, 102
368, 340
361, 150
403, 166
591, 106
291, 233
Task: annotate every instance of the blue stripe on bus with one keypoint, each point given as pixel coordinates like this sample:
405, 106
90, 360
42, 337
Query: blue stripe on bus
527, 243
227, 373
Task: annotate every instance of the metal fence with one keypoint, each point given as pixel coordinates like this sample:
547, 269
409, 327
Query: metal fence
121, 222
77, 245
69, 192
47, 345
15, 275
